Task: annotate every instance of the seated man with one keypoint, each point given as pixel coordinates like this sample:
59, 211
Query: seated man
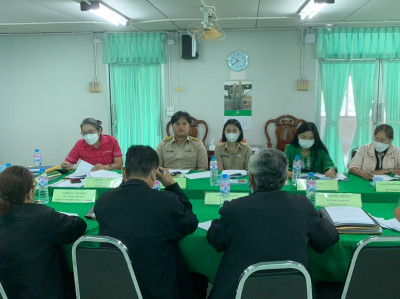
268, 225
182, 151
397, 213
150, 223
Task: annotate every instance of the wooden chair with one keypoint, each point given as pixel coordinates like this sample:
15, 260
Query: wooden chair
286, 128
193, 128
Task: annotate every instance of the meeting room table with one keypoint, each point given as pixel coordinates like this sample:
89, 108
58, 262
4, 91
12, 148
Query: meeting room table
201, 257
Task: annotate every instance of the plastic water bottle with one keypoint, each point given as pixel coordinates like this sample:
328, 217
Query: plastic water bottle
43, 186
213, 171
37, 158
311, 187
156, 185
224, 188
296, 169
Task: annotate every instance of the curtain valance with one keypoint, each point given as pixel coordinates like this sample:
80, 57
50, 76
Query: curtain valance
134, 48
358, 43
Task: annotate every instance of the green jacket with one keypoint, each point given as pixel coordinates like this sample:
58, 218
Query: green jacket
318, 161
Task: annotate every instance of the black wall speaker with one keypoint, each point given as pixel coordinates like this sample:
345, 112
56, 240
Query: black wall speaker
189, 47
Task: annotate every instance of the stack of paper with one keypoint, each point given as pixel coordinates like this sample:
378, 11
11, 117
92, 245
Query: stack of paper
104, 174
390, 223
319, 176
351, 220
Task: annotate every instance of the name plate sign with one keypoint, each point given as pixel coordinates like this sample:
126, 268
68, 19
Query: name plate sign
102, 183
213, 198
322, 185
181, 182
387, 186
338, 200
68, 195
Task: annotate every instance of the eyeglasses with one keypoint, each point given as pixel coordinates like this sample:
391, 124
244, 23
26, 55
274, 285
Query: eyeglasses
89, 132
34, 185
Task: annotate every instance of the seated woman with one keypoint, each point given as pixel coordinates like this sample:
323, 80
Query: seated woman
31, 264
102, 151
313, 153
377, 157
182, 151
232, 153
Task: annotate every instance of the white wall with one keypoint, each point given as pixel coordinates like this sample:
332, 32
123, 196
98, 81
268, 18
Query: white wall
44, 95
44, 87
274, 68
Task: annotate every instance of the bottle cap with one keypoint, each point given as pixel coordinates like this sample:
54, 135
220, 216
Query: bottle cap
225, 176
297, 157
41, 170
213, 158
8, 165
311, 174
36, 150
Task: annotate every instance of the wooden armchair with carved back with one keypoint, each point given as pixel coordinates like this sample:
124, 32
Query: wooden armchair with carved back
285, 129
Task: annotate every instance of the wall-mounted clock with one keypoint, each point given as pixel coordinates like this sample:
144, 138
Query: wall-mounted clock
238, 61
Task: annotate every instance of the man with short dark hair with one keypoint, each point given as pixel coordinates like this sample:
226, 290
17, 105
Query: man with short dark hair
150, 223
182, 151
268, 225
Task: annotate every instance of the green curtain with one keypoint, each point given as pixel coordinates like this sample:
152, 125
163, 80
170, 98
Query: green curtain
334, 78
364, 78
137, 86
137, 94
391, 86
134, 48
365, 43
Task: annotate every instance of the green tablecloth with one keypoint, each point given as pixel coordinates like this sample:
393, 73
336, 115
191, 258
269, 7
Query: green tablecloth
355, 184
202, 258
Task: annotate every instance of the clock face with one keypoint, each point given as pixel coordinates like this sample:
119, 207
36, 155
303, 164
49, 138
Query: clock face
238, 61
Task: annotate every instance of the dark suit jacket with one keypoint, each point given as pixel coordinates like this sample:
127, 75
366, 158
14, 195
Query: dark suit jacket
150, 223
265, 226
30, 260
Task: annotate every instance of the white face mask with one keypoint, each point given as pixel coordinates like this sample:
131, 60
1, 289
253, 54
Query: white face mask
232, 137
306, 143
91, 138
380, 147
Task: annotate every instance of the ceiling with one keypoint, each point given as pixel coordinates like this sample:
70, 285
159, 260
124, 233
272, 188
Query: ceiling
64, 16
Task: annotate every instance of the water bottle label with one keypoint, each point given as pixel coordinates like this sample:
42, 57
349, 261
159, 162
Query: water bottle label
214, 167
312, 185
42, 181
156, 185
225, 188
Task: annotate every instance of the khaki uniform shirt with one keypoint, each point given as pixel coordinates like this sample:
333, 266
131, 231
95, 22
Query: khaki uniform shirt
191, 154
238, 160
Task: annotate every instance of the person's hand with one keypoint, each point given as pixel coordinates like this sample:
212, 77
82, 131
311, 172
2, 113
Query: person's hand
100, 167
330, 173
290, 174
397, 213
366, 175
66, 165
165, 177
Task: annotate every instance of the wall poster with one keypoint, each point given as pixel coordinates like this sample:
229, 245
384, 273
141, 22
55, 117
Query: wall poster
238, 101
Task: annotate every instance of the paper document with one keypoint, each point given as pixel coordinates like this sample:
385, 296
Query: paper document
67, 184
339, 176
69, 214
390, 223
83, 169
348, 215
235, 172
382, 177
198, 175
205, 225
104, 174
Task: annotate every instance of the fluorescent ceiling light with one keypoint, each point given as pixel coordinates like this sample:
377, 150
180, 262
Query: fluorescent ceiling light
103, 11
311, 9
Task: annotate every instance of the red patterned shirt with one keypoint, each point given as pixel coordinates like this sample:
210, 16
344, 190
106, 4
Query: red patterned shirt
106, 152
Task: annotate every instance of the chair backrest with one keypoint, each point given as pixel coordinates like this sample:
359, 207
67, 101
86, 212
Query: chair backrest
194, 128
105, 271
374, 270
2, 292
285, 129
280, 279
354, 152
